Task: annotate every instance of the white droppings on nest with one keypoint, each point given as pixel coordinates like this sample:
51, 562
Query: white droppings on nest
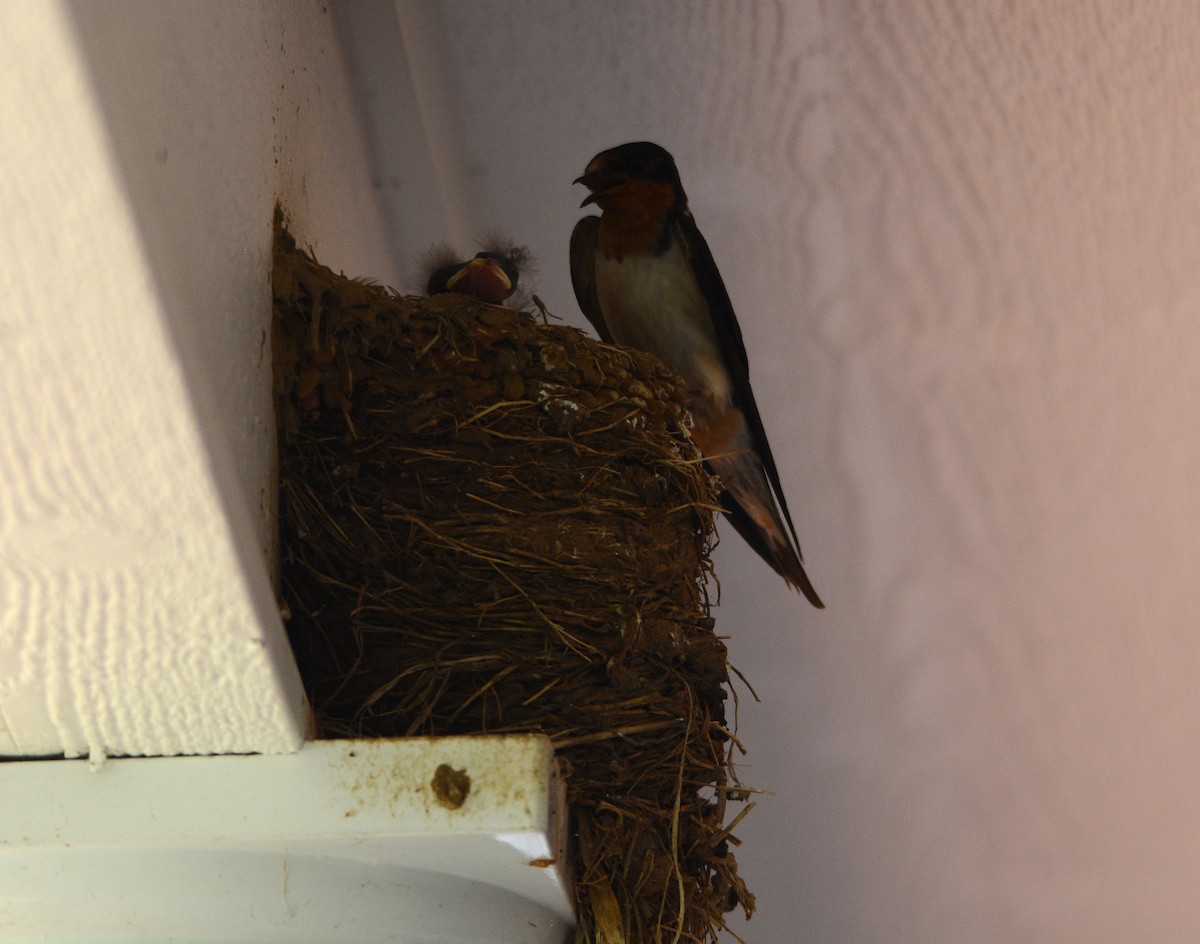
546, 390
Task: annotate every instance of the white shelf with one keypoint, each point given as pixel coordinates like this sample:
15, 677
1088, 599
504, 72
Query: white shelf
344, 842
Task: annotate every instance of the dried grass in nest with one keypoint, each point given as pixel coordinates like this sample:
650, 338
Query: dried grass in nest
494, 525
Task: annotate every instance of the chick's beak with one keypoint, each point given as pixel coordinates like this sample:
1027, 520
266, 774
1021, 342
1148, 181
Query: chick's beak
482, 278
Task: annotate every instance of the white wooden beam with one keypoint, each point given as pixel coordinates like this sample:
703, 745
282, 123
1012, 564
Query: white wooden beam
342, 843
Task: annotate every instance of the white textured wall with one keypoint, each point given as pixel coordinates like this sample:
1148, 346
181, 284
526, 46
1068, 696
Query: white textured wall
145, 145
963, 241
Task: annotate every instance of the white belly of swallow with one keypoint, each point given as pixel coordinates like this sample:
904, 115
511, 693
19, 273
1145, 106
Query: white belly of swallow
653, 303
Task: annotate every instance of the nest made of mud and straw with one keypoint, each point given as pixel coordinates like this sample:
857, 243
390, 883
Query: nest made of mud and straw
494, 525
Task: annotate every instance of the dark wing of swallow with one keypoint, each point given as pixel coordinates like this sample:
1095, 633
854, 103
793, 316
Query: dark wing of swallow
583, 273
729, 335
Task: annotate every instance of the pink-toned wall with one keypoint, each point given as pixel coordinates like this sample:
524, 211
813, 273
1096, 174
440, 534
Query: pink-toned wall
964, 244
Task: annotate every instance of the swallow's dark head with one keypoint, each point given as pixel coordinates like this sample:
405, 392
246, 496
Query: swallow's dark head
611, 172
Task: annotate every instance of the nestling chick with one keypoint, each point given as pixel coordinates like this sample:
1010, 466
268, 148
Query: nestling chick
490, 276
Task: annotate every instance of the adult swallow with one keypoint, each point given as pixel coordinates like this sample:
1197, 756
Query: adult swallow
490, 277
645, 278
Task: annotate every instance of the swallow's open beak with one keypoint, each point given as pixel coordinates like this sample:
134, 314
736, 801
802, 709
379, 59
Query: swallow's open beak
599, 184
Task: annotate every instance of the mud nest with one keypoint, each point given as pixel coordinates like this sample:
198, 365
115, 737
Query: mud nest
494, 525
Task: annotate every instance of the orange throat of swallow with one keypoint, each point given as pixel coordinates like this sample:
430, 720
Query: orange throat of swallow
633, 216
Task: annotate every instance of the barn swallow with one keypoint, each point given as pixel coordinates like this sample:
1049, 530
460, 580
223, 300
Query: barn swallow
490, 277
645, 278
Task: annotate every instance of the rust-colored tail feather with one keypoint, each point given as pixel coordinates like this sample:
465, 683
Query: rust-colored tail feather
775, 549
